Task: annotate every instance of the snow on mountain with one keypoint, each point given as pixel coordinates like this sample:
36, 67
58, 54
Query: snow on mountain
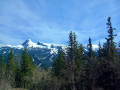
43, 53
53, 47
18, 46
28, 43
43, 45
94, 47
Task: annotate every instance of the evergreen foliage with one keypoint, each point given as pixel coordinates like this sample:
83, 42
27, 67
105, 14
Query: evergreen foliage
11, 68
90, 53
2, 66
26, 70
59, 64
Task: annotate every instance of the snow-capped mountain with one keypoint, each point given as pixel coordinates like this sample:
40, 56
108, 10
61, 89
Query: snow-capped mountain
28, 43
43, 53
53, 47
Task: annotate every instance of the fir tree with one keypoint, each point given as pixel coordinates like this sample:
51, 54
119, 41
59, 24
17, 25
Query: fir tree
26, 69
90, 53
2, 66
59, 64
79, 67
70, 63
79, 58
110, 59
11, 67
90, 68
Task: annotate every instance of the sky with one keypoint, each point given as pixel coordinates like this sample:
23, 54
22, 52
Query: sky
51, 21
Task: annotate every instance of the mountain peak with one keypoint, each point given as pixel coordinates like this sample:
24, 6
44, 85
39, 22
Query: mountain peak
29, 43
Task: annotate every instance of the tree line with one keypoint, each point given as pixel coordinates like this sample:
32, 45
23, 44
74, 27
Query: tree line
81, 70
74, 69
14, 74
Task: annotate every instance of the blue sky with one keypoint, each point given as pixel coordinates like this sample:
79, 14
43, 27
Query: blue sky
50, 21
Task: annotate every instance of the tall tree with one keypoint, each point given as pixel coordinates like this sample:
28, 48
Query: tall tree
26, 69
110, 38
2, 66
90, 52
110, 59
59, 64
91, 68
71, 55
11, 67
79, 67
111, 52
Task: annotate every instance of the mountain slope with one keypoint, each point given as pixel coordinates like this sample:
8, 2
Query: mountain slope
43, 53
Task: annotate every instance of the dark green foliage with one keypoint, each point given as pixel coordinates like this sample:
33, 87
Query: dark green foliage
2, 66
11, 63
110, 31
90, 68
90, 53
79, 67
59, 64
18, 78
79, 60
109, 61
11, 67
26, 70
70, 61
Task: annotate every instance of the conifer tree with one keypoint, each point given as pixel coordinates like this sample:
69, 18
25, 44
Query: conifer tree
11, 67
79, 67
26, 69
2, 66
110, 60
59, 64
71, 55
111, 53
91, 68
79, 58
90, 53
110, 39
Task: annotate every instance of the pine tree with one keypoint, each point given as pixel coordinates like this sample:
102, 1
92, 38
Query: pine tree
79, 58
59, 65
111, 53
110, 38
79, 67
90, 53
70, 63
110, 59
11, 68
26, 69
2, 66
90, 68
